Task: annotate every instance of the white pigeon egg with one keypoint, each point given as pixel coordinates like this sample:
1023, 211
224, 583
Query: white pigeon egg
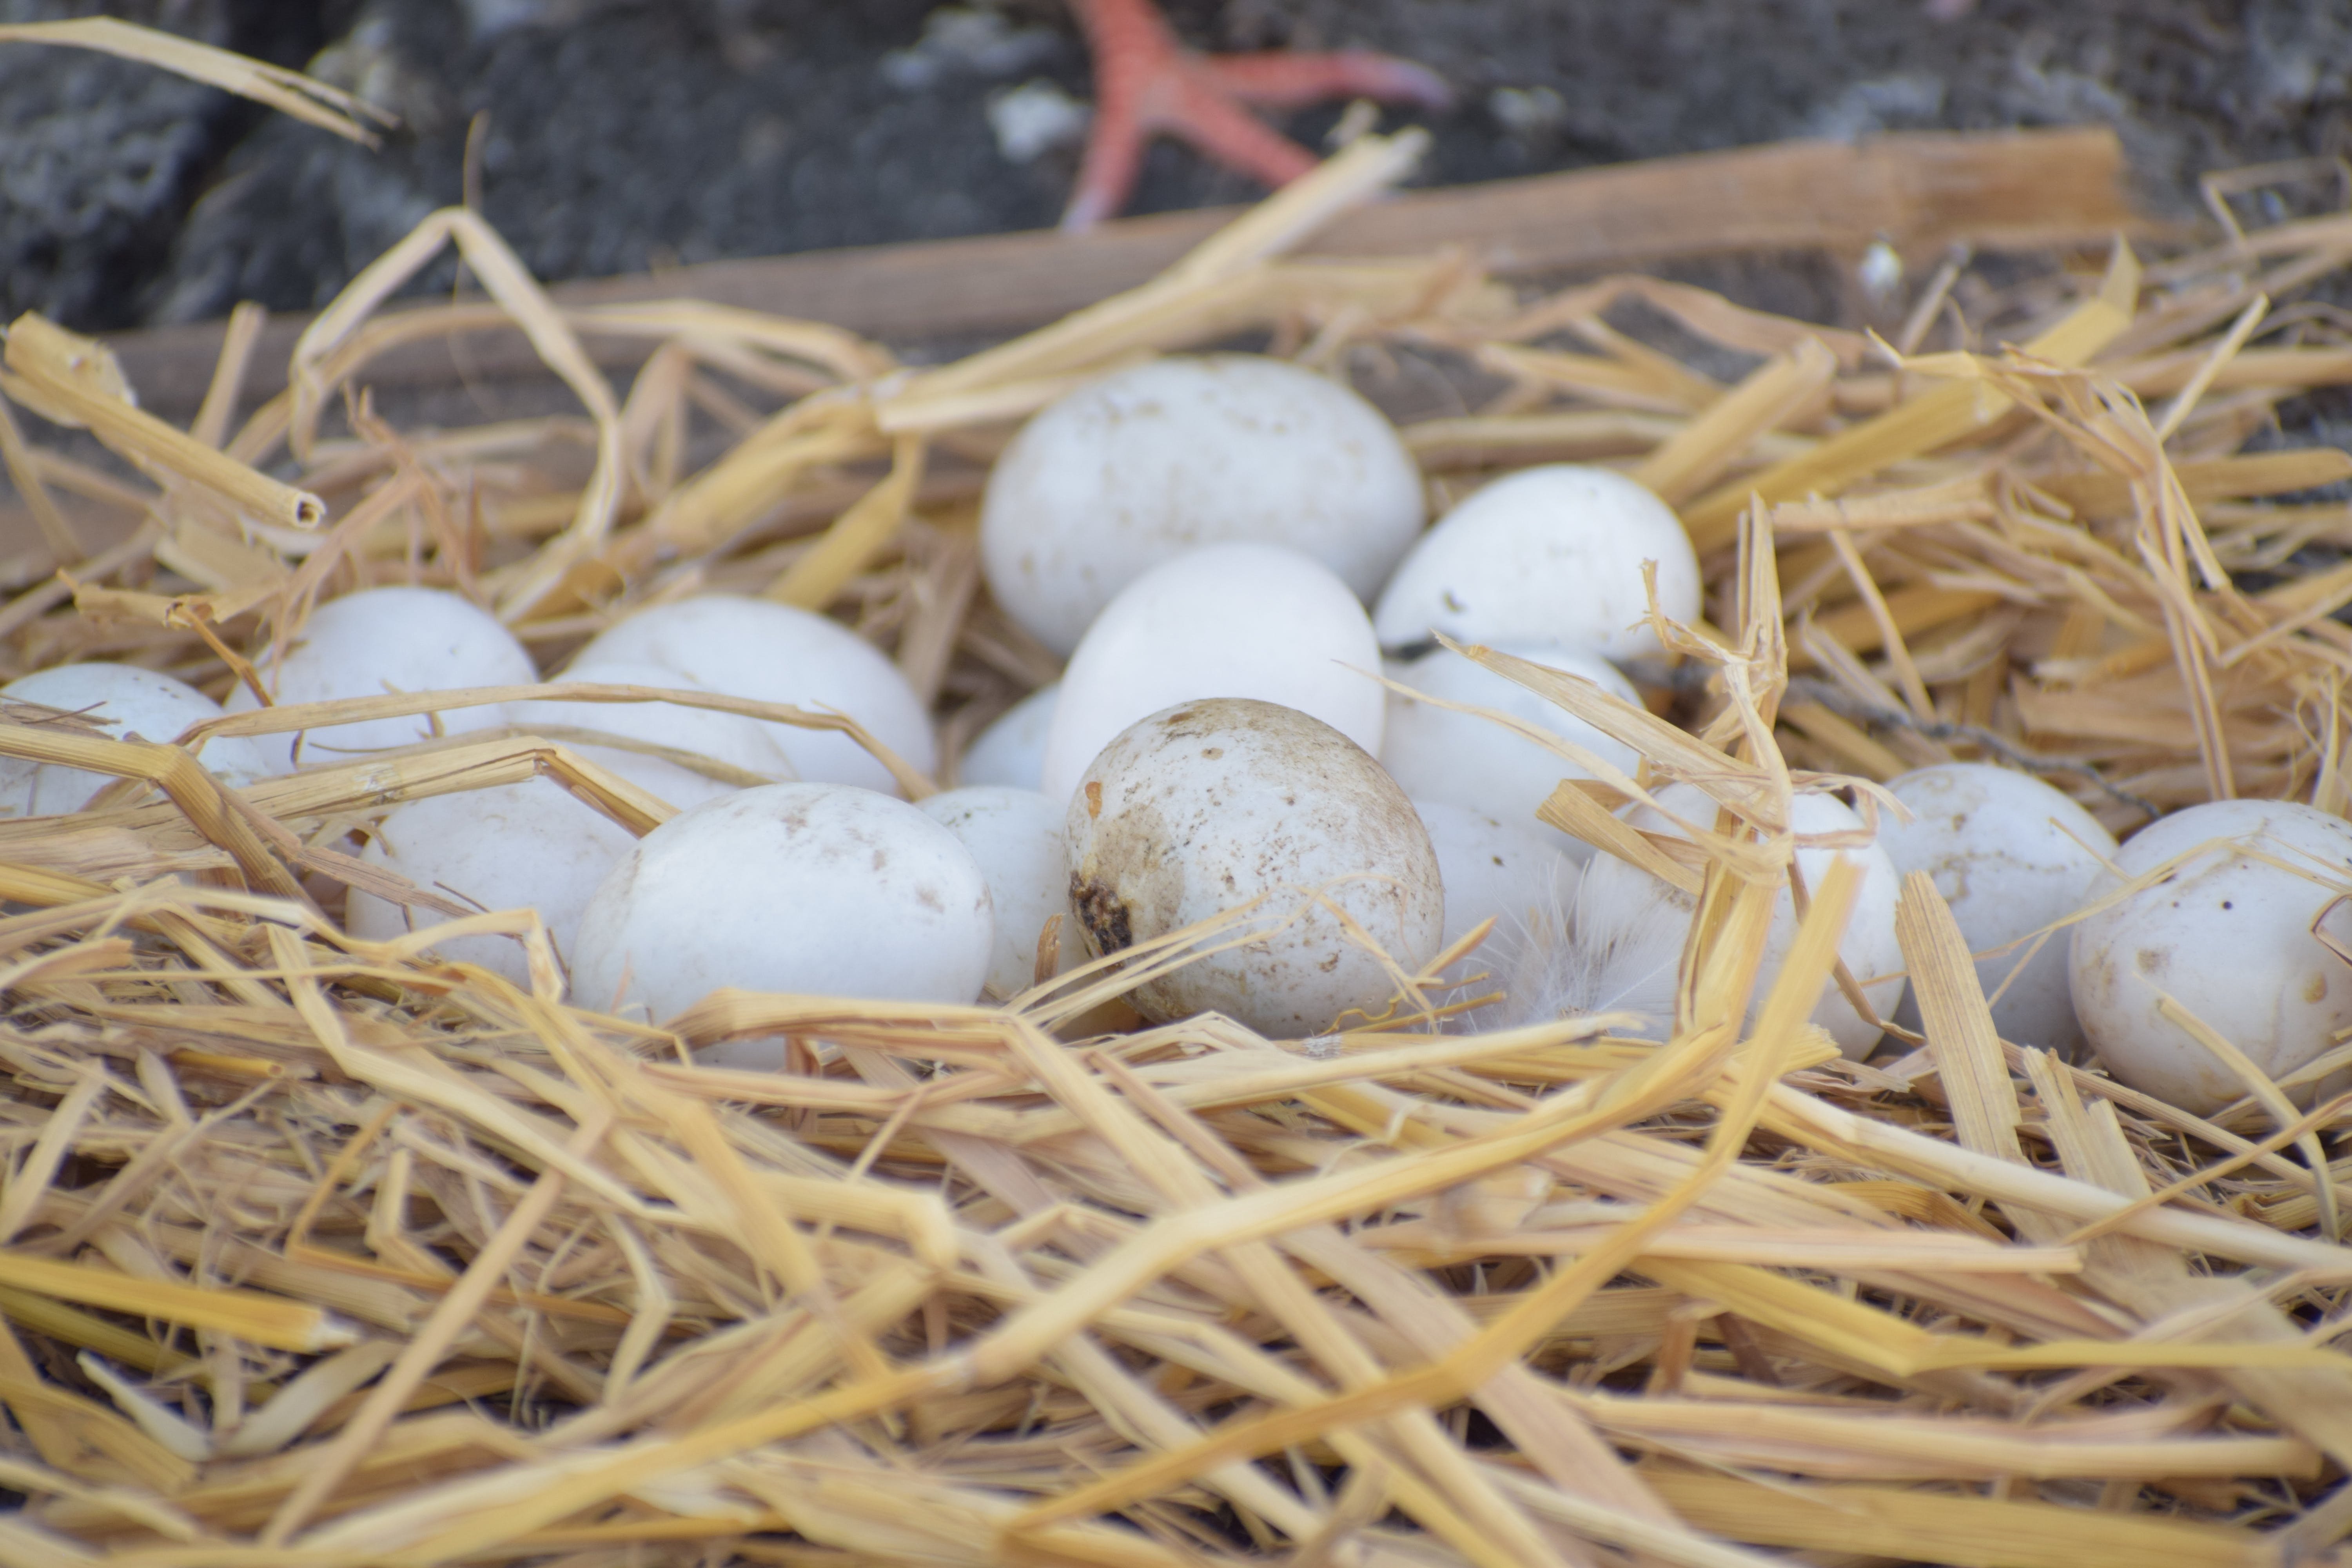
2011, 854
1201, 807
775, 653
1494, 869
1629, 927
128, 701
1012, 750
1548, 555
2229, 937
1441, 754
534, 845
1144, 463
820, 890
1015, 834
383, 640
1228, 620
729, 738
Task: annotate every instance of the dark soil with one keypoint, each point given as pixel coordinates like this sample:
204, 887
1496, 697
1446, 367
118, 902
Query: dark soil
611, 136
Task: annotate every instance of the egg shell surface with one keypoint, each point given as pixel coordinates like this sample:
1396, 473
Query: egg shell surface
1228, 620
1135, 468
2228, 936
529, 845
383, 640
2011, 854
1549, 555
1012, 750
775, 653
705, 734
1015, 836
1609, 954
806, 889
1442, 754
1522, 879
128, 701
1616, 898
1201, 807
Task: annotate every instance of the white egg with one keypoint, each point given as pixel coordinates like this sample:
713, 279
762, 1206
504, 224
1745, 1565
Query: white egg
1206, 805
809, 888
2011, 854
387, 640
1626, 949
1521, 878
1135, 468
1548, 555
128, 701
1015, 836
1229, 620
728, 738
529, 845
1463, 760
1011, 750
774, 653
2229, 937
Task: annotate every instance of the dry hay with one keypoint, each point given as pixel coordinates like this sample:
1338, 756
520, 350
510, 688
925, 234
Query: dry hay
323, 1251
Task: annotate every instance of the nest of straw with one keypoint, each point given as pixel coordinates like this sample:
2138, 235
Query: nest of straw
319, 1251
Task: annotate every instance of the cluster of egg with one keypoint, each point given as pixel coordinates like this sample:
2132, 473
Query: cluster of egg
1227, 550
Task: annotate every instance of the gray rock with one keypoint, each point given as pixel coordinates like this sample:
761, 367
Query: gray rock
99, 157
637, 135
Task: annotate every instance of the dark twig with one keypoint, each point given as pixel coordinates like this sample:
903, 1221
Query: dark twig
1805, 689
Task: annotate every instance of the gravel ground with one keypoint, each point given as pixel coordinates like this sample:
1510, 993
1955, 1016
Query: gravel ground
609, 136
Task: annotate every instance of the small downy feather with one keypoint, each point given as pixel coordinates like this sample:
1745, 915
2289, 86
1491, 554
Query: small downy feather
1620, 947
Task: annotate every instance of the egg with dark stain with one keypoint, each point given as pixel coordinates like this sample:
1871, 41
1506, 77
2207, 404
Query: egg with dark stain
1234, 807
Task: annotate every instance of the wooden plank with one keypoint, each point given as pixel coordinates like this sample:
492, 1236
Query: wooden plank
1920, 192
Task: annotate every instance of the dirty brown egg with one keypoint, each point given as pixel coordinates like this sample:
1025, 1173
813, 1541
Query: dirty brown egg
1203, 806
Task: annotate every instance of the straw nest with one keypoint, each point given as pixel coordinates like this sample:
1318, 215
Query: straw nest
317, 1251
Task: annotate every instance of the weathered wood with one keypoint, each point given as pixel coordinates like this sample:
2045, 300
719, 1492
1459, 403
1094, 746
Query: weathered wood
1919, 192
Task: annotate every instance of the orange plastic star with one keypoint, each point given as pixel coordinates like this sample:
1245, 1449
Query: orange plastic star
1148, 84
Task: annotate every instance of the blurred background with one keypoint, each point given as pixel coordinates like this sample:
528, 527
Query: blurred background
615, 136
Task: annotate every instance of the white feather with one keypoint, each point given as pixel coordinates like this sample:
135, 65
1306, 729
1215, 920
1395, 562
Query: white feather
1618, 946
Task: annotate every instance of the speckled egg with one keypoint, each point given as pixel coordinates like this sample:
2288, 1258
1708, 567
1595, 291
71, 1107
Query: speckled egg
1201, 807
2229, 937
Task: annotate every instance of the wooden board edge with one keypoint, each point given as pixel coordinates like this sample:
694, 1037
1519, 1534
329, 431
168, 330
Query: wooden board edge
1918, 191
